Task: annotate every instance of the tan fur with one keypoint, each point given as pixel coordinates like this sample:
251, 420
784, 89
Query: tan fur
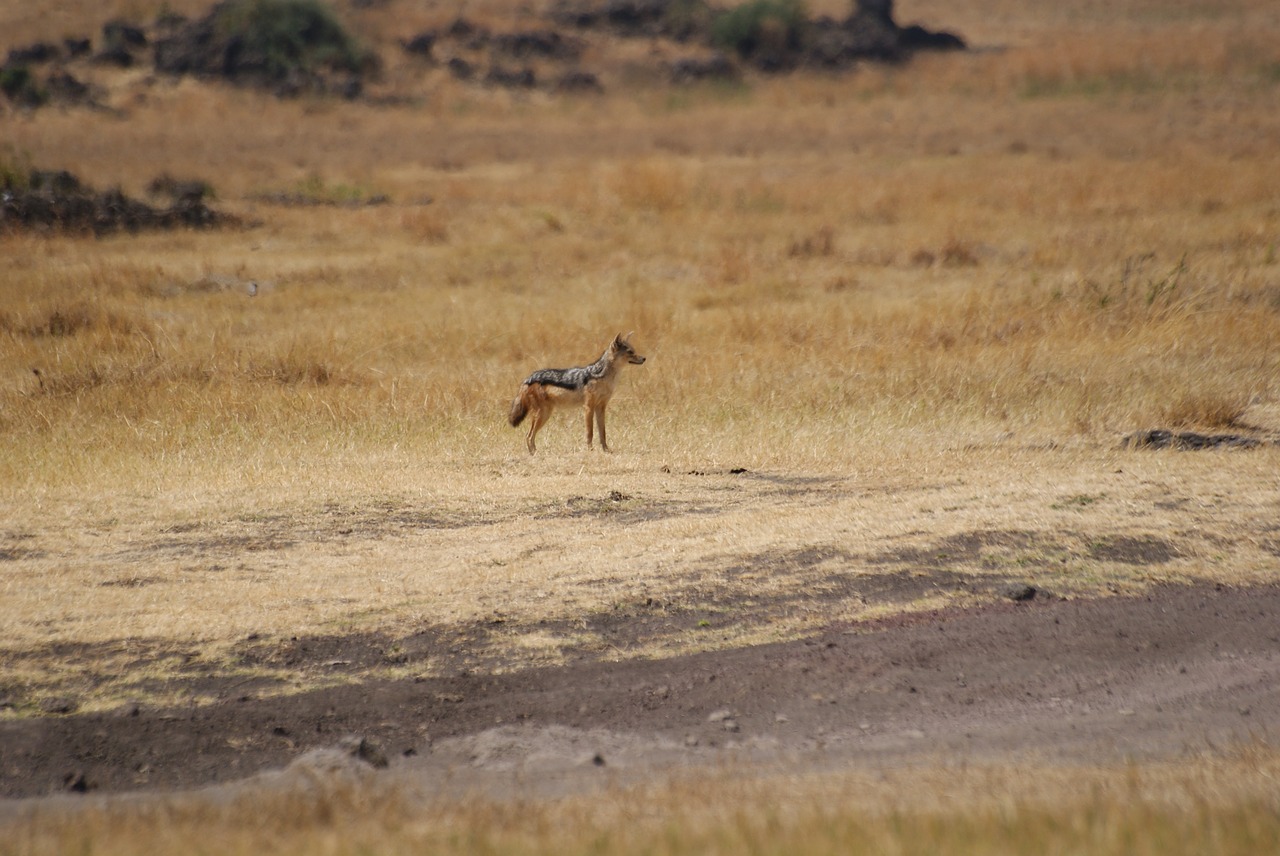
540, 400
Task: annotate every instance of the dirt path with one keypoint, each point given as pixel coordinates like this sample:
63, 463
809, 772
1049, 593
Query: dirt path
1179, 670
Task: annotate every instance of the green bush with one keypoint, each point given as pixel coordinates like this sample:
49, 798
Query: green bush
15, 167
760, 24
281, 36
21, 86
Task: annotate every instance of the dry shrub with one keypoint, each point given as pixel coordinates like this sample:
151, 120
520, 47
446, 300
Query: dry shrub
74, 318
651, 185
820, 243
957, 253
426, 224
1105, 61
1205, 408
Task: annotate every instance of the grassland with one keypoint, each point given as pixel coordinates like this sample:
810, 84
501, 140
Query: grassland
915, 301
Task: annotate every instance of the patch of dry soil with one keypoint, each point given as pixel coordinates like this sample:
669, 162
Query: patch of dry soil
1181, 669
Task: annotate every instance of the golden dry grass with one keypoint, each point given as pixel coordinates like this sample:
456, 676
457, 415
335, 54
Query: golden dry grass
934, 297
1226, 805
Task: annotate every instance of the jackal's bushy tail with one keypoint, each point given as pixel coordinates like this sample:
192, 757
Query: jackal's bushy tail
518, 409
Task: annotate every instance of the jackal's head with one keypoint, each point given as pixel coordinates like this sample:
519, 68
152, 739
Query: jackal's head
622, 348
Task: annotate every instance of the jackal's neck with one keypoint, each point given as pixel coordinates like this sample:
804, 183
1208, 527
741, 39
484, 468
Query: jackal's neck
605, 365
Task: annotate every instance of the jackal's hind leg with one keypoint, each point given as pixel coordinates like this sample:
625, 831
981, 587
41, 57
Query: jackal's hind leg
539, 419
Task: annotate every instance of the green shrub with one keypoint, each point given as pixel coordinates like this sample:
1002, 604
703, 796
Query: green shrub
21, 86
760, 25
15, 169
282, 36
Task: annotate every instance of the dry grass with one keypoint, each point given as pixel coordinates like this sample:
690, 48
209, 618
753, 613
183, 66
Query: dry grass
1225, 805
933, 297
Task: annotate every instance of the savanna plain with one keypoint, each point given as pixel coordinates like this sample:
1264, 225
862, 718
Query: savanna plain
899, 323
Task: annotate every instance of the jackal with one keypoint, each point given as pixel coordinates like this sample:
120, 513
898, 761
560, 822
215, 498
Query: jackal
591, 386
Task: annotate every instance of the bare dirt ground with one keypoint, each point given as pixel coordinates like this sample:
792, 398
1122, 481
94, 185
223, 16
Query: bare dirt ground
1114, 604
1179, 670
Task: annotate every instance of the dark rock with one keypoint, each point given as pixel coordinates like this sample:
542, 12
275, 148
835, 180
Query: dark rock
1019, 592
1161, 438
77, 47
579, 82
58, 705
470, 35
117, 33
66, 89
33, 54
539, 43
715, 67
510, 78
421, 44
188, 190
363, 749
55, 181
637, 18
917, 38
461, 69
76, 782
118, 56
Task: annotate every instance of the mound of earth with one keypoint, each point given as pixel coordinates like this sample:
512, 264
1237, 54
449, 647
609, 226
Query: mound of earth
1180, 669
58, 201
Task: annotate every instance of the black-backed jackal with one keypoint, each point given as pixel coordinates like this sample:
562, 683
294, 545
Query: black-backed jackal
591, 386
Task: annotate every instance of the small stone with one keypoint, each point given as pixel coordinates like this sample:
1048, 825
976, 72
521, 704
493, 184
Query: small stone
59, 704
363, 749
1019, 592
76, 782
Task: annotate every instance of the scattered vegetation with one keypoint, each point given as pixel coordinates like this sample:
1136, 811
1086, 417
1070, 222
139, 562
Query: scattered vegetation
56, 201
314, 190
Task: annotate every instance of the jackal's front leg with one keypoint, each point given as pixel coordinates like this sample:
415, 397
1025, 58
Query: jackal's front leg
604, 444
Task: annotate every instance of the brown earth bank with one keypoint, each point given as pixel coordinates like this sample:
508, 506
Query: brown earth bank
1178, 670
